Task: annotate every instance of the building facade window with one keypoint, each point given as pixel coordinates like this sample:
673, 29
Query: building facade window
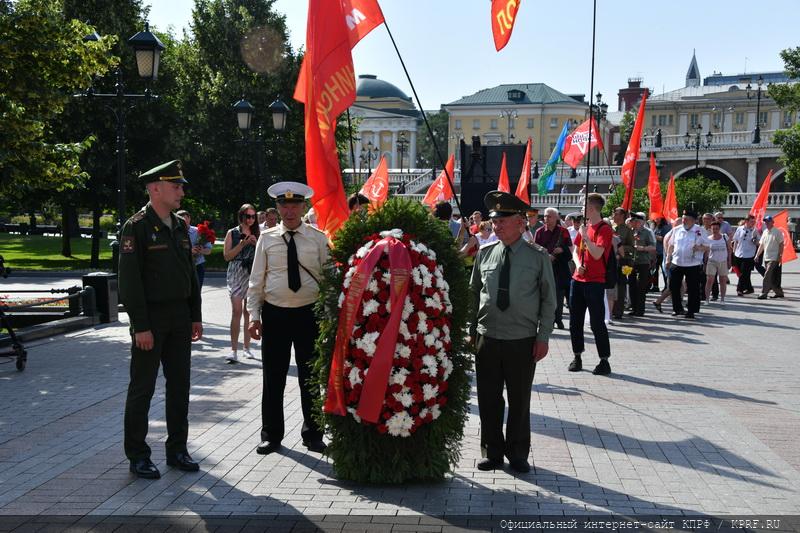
694, 120
787, 119
553, 122
764, 118
476, 124
458, 123
717, 119
662, 120
512, 122
530, 123
493, 124
739, 119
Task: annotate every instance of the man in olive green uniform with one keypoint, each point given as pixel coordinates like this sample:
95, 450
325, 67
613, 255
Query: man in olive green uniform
158, 285
515, 296
624, 257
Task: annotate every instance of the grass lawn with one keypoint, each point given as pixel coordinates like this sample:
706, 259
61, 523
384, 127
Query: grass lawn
37, 252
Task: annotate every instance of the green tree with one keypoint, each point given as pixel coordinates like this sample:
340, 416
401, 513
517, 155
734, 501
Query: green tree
702, 194
788, 98
44, 61
425, 151
236, 48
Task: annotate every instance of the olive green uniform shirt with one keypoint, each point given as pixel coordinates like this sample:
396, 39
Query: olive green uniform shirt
156, 269
625, 239
532, 290
645, 238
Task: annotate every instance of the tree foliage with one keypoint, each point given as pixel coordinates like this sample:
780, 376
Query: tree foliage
425, 149
702, 194
787, 96
44, 61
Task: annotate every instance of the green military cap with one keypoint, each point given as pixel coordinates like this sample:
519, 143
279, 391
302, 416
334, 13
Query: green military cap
171, 172
503, 204
290, 191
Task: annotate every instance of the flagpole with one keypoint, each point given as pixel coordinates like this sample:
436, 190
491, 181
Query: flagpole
425, 119
352, 148
560, 185
591, 109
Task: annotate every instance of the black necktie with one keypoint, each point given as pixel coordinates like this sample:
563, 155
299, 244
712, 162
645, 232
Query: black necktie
505, 278
293, 264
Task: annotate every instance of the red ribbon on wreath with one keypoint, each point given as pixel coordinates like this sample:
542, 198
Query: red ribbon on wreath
377, 379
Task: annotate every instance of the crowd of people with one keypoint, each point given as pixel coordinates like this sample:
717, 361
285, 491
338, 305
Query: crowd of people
524, 272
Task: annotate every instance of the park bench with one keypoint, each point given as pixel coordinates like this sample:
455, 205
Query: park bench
45, 229
22, 229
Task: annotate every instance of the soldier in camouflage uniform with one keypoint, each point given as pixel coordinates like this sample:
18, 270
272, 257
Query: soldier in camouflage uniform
159, 288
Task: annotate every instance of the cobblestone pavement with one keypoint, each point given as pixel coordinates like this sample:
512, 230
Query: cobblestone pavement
696, 418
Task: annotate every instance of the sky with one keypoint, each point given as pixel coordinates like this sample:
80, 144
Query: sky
449, 52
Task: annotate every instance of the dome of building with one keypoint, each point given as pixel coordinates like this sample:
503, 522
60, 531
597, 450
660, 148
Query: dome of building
369, 86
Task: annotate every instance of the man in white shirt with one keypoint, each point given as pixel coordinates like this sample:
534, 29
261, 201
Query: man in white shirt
685, 257
771, 248
745, 245
284, 285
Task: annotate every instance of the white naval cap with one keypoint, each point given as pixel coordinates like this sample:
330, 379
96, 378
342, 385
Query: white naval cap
290, 191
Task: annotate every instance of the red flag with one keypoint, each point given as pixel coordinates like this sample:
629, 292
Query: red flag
577, 144
440, 189
671, 202
631, 155
504, 12
329, 89
759, 208
653, 191
781, 221
525, 176
502, 184
361, 17
376, 188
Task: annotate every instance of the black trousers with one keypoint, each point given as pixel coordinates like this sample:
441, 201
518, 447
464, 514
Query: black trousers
281, 328
172, 350
746, 265
639, 282
591, 296
509, 363
694, 276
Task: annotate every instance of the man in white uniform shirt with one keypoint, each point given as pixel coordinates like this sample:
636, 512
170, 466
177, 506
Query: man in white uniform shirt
284, 285
745, 245
685, 257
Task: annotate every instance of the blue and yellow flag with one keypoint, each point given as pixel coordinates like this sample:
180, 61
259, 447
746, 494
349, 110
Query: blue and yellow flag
547, 179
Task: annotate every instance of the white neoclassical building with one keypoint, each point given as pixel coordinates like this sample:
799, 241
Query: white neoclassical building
387, 124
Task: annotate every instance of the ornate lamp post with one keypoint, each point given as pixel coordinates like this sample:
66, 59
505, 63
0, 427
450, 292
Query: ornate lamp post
750, 96
147, 48
244, 119
368, 156
402, 143
695, 143
510, 115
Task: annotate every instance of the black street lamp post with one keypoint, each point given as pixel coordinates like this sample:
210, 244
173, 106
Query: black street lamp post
510, 115
757, 132
147, 48
402, 143
368, 156
697, 144
244, 119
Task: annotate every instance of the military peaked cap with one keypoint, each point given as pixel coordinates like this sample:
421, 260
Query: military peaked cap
503, 204
171, 172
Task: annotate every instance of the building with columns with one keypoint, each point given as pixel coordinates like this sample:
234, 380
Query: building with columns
721, 127
387, 124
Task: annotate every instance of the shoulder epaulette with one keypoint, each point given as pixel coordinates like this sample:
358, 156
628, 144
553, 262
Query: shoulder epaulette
537, 247
488, 244
138, 216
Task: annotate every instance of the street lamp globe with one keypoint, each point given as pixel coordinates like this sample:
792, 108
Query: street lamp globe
244, 114
148, 52
279, 112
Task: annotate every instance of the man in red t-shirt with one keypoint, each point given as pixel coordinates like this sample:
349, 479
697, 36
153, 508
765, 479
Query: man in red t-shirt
593, 243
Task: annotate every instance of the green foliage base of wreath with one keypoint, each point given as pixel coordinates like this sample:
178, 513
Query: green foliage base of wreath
358, 451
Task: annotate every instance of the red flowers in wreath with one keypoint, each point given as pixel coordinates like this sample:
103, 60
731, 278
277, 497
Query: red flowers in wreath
420, 364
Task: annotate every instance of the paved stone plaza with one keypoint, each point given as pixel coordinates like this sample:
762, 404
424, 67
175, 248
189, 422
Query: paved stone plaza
697, 418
